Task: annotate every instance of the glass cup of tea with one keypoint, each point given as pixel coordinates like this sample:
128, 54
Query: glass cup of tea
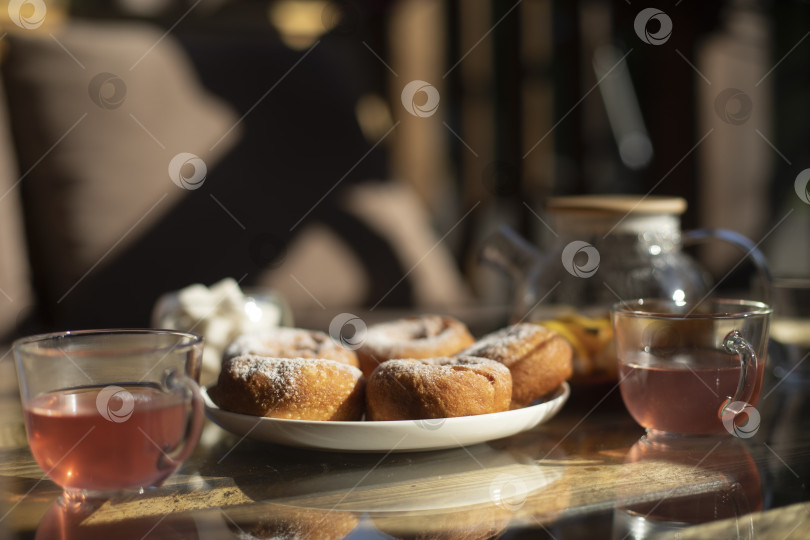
692, 368
108, 411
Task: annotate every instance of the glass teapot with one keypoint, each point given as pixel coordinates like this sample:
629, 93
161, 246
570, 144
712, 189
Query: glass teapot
604, 249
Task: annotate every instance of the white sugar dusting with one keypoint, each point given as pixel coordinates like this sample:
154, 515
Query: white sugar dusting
410, 328
505, 340
279, 371
433, 369
281, 342
413, 333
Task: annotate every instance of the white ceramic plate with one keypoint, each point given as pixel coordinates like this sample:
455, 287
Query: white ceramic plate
388, 436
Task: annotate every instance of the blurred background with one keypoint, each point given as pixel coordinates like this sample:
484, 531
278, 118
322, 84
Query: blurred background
358, 152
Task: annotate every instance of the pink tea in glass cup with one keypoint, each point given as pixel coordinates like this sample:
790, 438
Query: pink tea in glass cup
81, 449
110, 410
691, 369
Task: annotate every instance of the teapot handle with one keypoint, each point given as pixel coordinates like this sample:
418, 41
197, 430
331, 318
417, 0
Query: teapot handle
742, 242
509, 252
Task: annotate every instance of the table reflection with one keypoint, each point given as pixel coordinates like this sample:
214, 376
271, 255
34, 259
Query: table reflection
65, 521
264, 521
729, 486
439, 481
285, 493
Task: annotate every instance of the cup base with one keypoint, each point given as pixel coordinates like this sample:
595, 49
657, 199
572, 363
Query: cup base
665, 438
75, 498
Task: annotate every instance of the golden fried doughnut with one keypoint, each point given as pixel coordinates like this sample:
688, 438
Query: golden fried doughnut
412, 389
285, 342
539, 359
294, 388
428, 336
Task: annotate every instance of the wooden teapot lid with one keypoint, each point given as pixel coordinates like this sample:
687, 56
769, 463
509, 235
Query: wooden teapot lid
617, 204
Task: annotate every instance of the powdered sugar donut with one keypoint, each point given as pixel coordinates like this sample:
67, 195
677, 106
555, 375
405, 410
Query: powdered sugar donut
539, 359
411, 389
428, 336
293, 388
285, 342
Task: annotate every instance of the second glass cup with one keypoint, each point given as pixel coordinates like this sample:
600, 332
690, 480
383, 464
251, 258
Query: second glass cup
110, 410
691, 368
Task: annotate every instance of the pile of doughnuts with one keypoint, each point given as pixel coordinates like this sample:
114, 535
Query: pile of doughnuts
409, 369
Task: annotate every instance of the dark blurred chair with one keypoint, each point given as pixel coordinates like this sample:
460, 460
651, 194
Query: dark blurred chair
98, 111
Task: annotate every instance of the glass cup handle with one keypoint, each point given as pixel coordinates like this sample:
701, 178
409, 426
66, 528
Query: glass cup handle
743, 243
190, 392
736, 344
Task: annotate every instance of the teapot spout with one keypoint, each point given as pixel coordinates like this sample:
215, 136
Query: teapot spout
509, 252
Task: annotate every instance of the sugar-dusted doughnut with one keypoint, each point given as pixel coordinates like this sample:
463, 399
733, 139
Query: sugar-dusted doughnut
283, 342
293, 388
539, 359
411, 389
427, 336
